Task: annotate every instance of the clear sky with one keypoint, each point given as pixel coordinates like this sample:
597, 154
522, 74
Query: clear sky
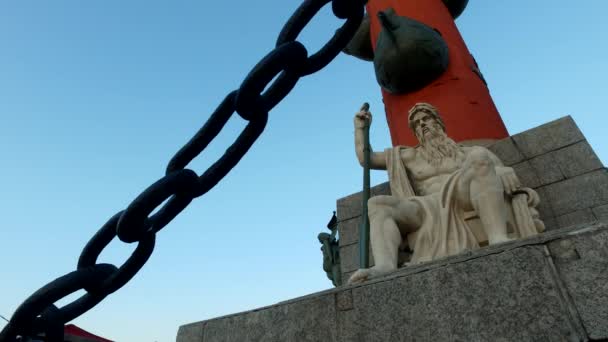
96, 96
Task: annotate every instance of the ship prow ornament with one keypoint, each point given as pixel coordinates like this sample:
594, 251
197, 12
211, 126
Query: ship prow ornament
409, 54
420, 56
361, 44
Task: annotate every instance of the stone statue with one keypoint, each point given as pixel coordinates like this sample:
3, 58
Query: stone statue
331, 252
446, 198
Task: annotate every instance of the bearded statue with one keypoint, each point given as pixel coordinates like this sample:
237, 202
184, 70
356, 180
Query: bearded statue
445, 198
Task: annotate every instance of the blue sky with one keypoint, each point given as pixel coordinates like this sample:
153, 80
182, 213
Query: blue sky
95, 97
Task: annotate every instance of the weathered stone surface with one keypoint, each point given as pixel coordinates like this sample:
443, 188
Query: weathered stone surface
344, 300
563, 251
576, 159
601, 212
548, 137
550, 224
510, 296
191, 332
349, 258
507, 292
583, 271
526, 174
584, 191
506, 151
349, 231
547, 169
309, 319
350, 206
381, 189
544, 208
576, 218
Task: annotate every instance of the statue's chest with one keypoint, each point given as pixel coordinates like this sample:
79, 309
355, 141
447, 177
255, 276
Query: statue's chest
422, 170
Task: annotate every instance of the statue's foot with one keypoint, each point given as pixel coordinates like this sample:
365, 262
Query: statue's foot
364, 274
359, 276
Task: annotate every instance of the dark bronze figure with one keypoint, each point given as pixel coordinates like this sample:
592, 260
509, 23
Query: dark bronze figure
409, 54
331, 252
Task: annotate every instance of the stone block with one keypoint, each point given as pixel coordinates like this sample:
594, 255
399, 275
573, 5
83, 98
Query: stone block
350, 206
583, 271
550, 224
509, 296
563, 251
191, 332
547, 169
349, 258
548, 137
349, 231
601, 212
526, 174
344, 300
583, 216
311, 319
585, 191
544, 208
576, 159
506, 151
550, 287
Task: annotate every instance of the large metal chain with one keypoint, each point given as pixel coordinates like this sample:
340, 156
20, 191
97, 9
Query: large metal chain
289, 61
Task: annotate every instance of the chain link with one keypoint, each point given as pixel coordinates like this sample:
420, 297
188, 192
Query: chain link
134, 222
24, 319
134, 263
284, 61
286, 64
302, 17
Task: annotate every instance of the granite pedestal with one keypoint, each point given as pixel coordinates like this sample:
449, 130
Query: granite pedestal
551, 287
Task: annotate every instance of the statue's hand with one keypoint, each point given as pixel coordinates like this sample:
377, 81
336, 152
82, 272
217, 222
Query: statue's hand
363, 118
509, 179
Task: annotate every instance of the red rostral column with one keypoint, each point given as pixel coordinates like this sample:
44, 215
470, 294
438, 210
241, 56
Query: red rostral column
460, 95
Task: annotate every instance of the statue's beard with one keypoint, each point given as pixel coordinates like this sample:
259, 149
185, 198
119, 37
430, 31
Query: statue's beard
438, 147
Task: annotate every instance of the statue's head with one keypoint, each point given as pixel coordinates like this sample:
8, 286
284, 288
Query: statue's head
424, 120
434, 144
323, 237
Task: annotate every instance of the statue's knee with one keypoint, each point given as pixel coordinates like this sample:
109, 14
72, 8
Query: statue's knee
374, 210
480, 161
479, 154
375, 206
374, 203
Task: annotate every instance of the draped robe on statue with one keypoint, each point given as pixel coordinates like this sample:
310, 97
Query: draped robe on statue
443, 231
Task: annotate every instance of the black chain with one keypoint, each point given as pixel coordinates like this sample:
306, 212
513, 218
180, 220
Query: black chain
289, 61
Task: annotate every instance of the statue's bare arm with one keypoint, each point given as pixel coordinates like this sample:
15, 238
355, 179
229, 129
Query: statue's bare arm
377, 160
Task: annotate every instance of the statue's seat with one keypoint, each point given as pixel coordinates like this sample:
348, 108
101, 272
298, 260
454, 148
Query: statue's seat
522, 218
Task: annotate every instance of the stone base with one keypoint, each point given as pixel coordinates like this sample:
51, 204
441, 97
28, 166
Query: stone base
551, 287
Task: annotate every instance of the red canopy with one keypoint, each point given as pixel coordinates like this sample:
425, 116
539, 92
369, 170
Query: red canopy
71, 330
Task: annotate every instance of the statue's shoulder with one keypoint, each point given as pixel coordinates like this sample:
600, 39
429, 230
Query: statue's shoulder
407, 153
468, 148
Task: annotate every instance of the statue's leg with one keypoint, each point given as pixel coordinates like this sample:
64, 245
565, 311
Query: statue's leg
390, 219
481, 188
